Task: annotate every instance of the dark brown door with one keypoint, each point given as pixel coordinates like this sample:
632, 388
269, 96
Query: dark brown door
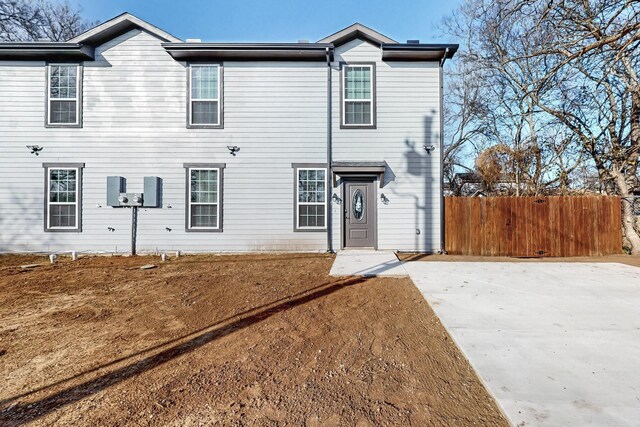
360, 214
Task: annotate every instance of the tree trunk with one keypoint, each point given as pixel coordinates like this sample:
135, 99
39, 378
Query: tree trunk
629, 218
630, 222
635, 128
630, 226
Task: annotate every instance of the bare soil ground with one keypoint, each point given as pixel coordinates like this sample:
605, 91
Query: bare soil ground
225, 340
623, 259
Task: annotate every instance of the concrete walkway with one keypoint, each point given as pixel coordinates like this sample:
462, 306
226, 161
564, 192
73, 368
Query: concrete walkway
558, 344
367, 263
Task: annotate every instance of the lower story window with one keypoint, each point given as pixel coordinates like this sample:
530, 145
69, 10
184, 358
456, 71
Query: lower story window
63, 192
204, 197
311, 203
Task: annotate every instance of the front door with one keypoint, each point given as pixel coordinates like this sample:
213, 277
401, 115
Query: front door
360, 214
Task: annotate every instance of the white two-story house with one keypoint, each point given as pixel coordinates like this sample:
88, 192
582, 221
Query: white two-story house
127, 135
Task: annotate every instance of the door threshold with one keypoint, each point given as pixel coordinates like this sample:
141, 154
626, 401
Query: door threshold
360, 248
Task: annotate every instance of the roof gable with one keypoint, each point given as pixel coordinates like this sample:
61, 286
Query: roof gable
117, 26
355, 31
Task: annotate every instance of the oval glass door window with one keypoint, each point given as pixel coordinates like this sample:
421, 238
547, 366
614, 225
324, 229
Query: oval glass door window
358, 204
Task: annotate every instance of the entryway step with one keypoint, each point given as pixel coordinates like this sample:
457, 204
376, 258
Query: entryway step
368, 263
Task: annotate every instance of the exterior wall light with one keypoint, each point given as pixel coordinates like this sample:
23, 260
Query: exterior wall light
384, 199
336, 199
35, 149
233, 149
429, 148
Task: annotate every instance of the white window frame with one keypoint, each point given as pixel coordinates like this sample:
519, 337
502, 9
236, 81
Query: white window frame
298, 202
345, 67
50, 203
190, 203
191, 100
76, 99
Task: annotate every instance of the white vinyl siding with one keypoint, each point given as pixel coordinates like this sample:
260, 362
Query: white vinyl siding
63, 94
311, 191
204, 94
407, 104
134, 126
358, 95
63, 200
204, 199
275, 111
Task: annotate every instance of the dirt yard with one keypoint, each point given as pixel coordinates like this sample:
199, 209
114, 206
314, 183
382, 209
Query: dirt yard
225, 340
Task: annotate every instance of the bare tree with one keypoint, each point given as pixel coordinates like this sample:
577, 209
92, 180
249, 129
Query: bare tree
563, 90
464, 132
591, 86
24, 20
541, 152
19, 20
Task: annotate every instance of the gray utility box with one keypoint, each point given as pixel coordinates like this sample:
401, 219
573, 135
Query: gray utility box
152, 192
118, 197
115, 186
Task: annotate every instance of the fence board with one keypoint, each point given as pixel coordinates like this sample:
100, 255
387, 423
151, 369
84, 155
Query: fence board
533, 226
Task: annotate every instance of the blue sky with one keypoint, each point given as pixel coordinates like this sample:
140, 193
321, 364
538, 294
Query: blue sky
279, 21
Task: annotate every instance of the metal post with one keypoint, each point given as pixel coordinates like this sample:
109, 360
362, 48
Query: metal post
442, 207
329, 179
134, 228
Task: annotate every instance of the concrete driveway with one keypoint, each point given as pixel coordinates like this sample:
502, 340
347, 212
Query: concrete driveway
558, 344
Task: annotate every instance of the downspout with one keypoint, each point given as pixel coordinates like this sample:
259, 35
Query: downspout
442, 208
329, 177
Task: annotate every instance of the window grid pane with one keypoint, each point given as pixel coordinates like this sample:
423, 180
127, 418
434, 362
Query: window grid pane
311, 216
62, 216
63, 111
63, 81
203, 198
357, 112
204, 112
311, 198
204, 82
357, 83
204, 216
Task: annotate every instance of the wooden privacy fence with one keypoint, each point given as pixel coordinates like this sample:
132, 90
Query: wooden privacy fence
533, 226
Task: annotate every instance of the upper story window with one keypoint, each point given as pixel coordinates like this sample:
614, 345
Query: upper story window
63, 193
64, 90
358, 96
205, 106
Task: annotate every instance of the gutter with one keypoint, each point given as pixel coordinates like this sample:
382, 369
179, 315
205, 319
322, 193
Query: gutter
329, 154
445, 56
442, 208
418, 51
249, 51
37, 51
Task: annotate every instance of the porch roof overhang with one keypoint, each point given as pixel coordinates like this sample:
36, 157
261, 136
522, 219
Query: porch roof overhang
358, 168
